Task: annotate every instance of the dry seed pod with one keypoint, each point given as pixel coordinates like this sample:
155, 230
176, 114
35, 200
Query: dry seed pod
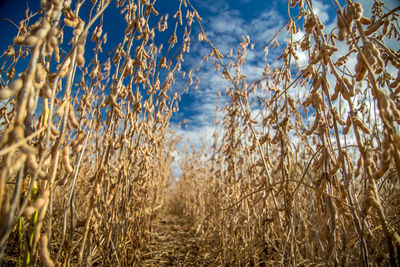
315, 125
57, 54
386, 27
338, 89
61, 109
263, 139
327, 51
336, 167
276, 138
370, 201
65, 159
330, 119
350, 85
370, 52
119, 113
77, 148
11, 73
56, 3
104, 104
71, 117
342, 190
54, 31
338, 118
308, 101
325, 86
79, 140
6, 93
64, 68
54, 130
31, 40
394, 62
41, 73
349, 12
315, 59
357, 11
361, 68
80, 60
365, 20
387, 115
113, 101
361, 74
348, 125
362, 126
78, 29
41, 33
383, 99
42, 199
16, 85
17, 165
53, 42
395, 111
345, 93
374, 57
379, 173
45, 92
368, 158
292, 103
77, 145
80, 49
32, 164
44, 252
37, 204
69, 13
396, 82
28, 211
387, 151
19, 40
350, 163
47, 162
97, 214
71, 23
18, 134
278, 167
319, 100
374, 27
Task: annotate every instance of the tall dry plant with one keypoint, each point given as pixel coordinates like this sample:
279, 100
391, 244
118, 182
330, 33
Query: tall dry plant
312, 179
86, 146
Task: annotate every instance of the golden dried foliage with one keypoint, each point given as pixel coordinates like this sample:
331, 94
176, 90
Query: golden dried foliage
86, 146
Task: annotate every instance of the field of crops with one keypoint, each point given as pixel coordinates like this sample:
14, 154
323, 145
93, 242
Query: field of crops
86, 143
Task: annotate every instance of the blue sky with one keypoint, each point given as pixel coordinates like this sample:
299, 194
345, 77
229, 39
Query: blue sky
224, 21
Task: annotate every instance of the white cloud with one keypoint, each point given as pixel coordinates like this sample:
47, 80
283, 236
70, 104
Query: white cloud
193, 138
321, 10
225, 29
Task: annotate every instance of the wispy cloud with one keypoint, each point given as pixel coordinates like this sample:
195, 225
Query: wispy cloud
224, 27
321, 10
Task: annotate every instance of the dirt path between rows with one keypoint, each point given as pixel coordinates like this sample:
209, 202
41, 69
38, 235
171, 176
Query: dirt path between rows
174, 242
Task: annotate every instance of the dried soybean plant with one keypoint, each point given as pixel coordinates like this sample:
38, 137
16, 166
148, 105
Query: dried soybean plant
312, 178
86, 146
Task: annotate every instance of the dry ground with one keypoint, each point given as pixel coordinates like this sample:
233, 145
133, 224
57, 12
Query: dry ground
174, 241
